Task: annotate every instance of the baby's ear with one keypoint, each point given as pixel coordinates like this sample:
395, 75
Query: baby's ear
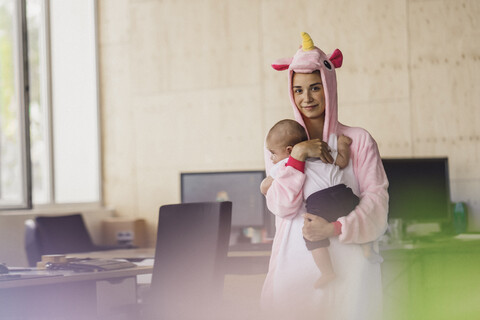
289, 149
282, 64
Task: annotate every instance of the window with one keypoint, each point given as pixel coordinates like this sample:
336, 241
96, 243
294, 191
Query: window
39, 101
62, 122
14, 142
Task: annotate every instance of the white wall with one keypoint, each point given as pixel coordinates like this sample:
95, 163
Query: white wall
74, 101
187, 86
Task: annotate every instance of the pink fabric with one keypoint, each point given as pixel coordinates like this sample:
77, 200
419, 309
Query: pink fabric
282, 64
284, 199
297, 164
337, 58
356, 292
338, 227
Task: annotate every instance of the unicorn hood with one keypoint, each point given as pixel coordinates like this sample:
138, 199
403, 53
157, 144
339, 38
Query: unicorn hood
309, 59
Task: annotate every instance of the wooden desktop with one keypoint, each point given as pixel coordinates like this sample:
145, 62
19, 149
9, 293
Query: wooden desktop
65, 294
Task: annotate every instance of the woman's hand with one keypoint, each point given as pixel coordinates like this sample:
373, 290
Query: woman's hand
314, 148
316, 228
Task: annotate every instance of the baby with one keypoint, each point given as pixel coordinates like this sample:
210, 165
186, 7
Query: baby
324, 189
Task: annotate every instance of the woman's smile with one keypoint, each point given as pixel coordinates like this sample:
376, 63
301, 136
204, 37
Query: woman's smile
310, 107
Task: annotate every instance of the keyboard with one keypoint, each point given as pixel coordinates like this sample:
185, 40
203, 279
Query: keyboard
103, 264
92, 265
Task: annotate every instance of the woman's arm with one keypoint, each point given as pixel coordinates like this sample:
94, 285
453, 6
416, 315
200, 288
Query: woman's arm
314, 148
368, 221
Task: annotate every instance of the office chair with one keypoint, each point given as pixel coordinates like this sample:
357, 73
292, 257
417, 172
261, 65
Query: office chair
190, 257
57, 235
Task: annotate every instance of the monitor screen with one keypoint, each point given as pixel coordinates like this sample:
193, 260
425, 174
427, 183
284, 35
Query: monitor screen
240, 187
419, 189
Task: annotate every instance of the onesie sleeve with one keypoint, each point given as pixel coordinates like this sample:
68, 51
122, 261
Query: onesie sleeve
368, 221
285, 196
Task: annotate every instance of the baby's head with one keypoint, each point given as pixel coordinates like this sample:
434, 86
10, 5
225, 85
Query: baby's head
282, 137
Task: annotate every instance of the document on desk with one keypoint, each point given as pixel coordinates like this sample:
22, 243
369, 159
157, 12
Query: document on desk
87, 265
145, 279
100, 265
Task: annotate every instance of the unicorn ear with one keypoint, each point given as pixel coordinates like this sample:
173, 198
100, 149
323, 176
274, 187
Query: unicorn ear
336, 58
282, 64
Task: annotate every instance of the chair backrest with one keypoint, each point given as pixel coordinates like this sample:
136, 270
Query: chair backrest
31, 243
56, 235
190, 258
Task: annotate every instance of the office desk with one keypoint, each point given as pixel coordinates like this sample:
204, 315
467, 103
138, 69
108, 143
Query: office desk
69, 295
421, 280
438, 279
141, 256
246, 269
128, 254
240, 260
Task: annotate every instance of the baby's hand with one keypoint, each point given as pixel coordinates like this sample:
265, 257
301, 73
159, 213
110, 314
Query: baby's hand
265, 185
343, 147
344, 139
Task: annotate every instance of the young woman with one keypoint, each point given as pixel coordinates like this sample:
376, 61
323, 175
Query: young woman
356, 292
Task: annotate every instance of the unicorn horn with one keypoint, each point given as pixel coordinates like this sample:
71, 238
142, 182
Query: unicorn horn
307, 43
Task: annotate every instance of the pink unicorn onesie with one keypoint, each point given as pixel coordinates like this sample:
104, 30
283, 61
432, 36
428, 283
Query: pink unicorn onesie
356, 292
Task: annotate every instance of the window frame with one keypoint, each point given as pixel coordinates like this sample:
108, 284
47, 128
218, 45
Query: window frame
28, 203
22, 92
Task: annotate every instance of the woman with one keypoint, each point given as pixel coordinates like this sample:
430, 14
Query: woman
356, 293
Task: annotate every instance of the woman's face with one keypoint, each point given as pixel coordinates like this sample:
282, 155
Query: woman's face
308, 94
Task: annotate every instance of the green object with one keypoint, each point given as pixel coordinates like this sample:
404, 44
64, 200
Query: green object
460, 217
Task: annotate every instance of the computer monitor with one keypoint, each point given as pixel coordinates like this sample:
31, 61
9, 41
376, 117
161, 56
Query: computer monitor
419, 189
240, 187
